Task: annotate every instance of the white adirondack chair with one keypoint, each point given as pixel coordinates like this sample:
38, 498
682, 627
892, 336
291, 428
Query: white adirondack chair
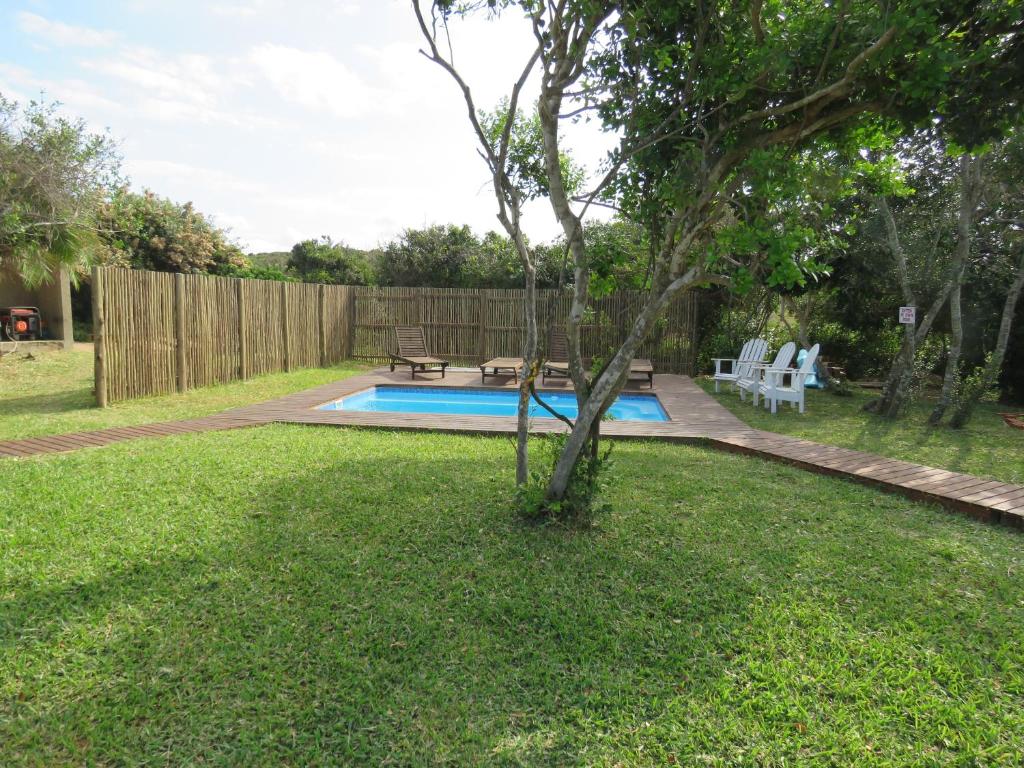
751, 382
753, 352
774, 390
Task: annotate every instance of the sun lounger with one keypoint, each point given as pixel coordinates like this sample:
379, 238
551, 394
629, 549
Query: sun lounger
412, 351
495, 366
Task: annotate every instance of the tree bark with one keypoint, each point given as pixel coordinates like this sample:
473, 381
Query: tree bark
969, 191
509, 200
896, 393
608, 384
994, 365
951, 377
529, 374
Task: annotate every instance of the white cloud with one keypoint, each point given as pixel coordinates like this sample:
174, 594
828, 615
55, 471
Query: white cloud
234, 11
189, 78
195, 176
316, 80
59, 33
287, 119
255, 8
230, 221
76, 95
347, 7
183, 88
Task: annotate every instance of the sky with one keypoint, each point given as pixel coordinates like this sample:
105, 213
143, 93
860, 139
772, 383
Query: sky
282, 120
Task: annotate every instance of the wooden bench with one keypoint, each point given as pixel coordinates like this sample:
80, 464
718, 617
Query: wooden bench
496, 365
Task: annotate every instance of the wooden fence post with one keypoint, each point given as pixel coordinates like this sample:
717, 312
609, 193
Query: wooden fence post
285, 322
350, 336
243, 347
179, 332
98, 331
481, 346
321, 301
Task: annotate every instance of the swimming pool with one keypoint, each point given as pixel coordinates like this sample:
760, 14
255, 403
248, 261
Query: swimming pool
484, 402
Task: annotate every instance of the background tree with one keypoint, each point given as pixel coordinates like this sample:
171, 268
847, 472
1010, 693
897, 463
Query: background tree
1002, 257
54, 174
437, 257
324, 261
146, 231
917, 214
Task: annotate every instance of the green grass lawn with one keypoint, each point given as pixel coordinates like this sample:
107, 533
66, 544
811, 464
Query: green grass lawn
51, 393
319, 596
986, 447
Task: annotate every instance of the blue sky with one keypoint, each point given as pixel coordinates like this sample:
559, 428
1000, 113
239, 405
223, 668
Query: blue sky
283, 120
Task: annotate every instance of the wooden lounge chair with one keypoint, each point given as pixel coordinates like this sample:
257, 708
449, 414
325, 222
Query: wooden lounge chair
750, 381
774, 390
495, 365
412, 351
641, 367
753, 352
557, 363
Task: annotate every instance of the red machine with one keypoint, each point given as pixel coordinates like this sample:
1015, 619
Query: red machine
20, 323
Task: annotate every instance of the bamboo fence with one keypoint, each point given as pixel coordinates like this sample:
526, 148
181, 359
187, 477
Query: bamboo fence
158, 333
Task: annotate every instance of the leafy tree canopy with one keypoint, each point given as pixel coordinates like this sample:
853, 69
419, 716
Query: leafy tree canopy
435, 257
146, 231
54, 174
321, 260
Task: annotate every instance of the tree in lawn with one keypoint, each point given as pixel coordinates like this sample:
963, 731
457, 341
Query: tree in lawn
925, 201
54, 175
712, 103
1003, 228
507, 140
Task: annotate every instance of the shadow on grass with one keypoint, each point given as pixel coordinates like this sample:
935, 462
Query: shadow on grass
984, 447
407, 618
50, 403
336, 621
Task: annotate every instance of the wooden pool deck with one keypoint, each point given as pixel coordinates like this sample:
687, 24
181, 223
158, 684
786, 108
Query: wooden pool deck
695, 417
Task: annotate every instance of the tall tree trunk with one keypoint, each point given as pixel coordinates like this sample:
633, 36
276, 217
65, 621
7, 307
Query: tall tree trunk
951, 378
896, 386
896, 392
965, 407
608, 384
529, 373
970, 187
509, 199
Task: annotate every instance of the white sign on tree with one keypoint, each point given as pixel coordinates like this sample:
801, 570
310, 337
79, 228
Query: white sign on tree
908, 315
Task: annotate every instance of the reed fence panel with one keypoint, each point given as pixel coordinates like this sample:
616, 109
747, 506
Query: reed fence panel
470, 326
158, 333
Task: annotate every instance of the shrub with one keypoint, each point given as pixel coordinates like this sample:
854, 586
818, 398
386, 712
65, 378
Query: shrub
581, 504
861, 355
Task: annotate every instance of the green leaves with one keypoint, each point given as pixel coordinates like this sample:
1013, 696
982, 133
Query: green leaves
324, 261
146, 231
525, 152
54, 175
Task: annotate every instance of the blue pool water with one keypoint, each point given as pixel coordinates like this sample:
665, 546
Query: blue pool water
480, 402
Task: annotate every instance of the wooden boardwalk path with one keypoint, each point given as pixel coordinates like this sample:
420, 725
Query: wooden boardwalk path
695, 417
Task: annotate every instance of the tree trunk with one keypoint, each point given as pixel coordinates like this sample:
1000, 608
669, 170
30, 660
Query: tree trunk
951, 378
607, 386
965, 407
896, 392
529, 372
969, 191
